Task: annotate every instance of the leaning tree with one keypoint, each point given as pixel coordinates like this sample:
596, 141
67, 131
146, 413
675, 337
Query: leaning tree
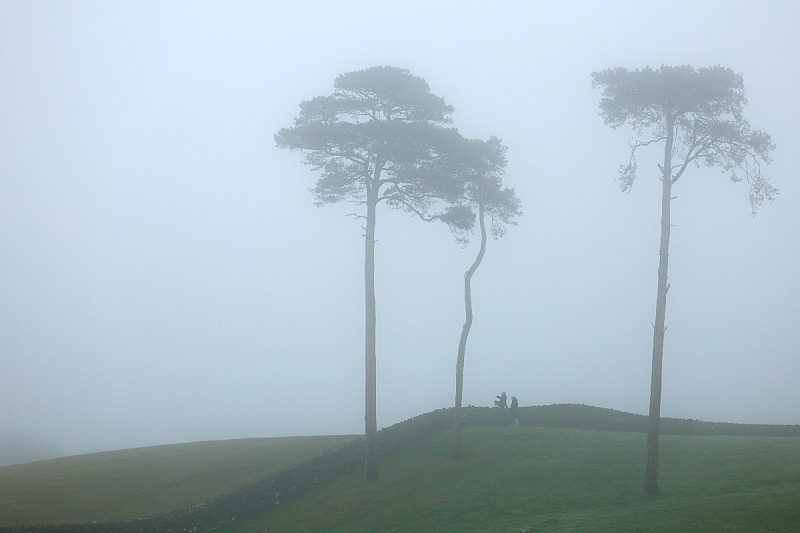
479, 167
375, 139
696, 114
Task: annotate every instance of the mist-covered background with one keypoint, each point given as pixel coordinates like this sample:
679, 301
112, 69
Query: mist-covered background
165, 276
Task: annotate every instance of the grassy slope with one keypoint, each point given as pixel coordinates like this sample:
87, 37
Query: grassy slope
559, 480
127, 484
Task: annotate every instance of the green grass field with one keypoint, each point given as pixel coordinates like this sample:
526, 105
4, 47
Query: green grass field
551, 479
121, 485
542, 478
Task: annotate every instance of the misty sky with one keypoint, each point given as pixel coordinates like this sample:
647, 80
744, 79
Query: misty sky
165, 276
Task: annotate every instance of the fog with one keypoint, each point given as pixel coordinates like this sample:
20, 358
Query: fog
166, 277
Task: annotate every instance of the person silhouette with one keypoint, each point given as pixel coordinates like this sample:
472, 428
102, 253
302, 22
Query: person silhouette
501, 401
514, 411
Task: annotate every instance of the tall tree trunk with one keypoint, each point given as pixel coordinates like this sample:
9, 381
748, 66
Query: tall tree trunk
370, 367
462, 344
651, 470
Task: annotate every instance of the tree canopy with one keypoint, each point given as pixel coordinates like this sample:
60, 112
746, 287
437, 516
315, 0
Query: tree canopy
381, 130
480, 166
703, 108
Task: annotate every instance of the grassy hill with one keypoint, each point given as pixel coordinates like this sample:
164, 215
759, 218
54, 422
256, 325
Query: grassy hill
126, 484
570, 468
554, 479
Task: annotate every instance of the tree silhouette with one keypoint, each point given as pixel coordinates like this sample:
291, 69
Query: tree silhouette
697, 115
479, 166
375, 139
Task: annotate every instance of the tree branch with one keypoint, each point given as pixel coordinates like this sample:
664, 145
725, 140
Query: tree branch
686, 160
410, 208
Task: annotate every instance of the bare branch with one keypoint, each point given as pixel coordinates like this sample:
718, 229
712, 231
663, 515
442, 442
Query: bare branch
689, 157
627, 173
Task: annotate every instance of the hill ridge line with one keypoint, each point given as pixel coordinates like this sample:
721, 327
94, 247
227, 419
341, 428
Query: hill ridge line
298, 479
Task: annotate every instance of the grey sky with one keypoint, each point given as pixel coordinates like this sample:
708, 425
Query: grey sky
166, 278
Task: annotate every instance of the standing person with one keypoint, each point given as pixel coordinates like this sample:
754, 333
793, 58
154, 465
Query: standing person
514, 411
